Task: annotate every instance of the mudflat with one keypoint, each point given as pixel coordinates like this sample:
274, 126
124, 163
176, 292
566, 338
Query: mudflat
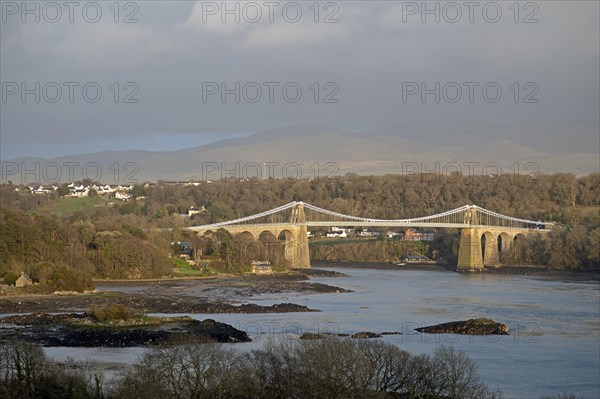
223, 294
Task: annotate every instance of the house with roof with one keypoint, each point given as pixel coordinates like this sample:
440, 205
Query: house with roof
122, 195
23, 281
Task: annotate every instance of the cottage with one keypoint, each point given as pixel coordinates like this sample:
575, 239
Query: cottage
368, 233
418, 235
195, 211
337, 234
23, 281
122, 195
262, 267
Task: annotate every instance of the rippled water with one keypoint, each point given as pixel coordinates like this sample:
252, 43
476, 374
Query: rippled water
553, 347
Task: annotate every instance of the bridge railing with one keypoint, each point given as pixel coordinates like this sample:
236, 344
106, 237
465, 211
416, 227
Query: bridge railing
463, 217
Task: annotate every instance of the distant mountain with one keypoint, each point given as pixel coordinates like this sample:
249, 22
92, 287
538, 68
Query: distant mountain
310, 150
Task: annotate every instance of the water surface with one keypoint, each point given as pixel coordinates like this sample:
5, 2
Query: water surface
553, 346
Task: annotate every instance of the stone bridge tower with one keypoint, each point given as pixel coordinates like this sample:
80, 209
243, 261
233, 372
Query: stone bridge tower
470, 256
297, 248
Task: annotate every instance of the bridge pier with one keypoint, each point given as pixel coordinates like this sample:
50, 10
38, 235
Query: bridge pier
301, 259
506, 243
470, 257
490, 252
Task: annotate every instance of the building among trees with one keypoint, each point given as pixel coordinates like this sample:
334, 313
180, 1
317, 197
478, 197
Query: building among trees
23, 280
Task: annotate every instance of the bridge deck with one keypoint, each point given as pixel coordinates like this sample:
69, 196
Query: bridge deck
363, 224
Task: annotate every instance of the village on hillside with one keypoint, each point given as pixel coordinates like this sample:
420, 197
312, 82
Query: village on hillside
75, 190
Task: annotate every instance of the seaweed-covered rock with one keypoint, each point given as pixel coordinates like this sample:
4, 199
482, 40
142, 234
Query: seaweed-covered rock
217, 331
77, 330
472, 326
366, 334
314, 336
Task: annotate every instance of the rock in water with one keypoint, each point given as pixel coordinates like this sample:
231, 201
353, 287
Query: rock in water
313, 336
217, 331
366, 334
471, 326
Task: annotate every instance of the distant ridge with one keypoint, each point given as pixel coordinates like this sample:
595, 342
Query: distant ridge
569, 148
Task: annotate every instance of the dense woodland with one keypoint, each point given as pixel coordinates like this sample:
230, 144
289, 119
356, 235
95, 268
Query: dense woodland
65, 246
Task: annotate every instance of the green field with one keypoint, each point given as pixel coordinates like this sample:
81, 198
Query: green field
182, 268
68, 206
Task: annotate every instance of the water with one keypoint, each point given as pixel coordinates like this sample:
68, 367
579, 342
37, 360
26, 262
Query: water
553, 346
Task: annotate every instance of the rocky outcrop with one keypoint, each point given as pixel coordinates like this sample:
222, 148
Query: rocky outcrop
471, 326
366, 334
276, 308
309, 336
77, 330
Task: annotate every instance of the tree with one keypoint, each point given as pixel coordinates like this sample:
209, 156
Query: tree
63, 190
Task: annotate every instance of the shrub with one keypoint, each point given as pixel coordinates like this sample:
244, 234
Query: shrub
111, 312
136, 231
183, 371
25, 372
10, 278
64, 278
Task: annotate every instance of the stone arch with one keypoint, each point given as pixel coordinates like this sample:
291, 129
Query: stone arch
518, 237
271, 246
245, 235
267, 235
246, 248
205, 242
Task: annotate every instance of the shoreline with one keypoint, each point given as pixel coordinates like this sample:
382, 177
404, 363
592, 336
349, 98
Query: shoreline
235, 293
223, 294
529, 271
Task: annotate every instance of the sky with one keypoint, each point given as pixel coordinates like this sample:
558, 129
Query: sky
157, 75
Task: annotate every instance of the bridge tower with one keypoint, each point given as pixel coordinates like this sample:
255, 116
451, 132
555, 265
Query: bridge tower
298, 215
299, 245
470, 257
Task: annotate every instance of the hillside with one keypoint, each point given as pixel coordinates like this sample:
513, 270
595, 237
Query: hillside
471, 149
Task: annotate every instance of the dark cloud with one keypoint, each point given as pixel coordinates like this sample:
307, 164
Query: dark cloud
358, 65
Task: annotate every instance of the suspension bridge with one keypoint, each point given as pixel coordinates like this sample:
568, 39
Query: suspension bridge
290, 222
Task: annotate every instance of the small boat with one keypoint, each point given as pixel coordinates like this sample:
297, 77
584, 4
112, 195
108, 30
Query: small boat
401, 264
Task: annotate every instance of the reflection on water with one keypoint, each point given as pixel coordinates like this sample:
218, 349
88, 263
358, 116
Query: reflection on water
553, 346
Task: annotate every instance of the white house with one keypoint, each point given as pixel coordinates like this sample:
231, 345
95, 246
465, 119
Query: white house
122, 195
337, 234
368, 233
42, 190
194, 211
80, 193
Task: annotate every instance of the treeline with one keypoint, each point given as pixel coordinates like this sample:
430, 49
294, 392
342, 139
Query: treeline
110, 239
327, 368
65, 254
377, 250
572, 203
545, 197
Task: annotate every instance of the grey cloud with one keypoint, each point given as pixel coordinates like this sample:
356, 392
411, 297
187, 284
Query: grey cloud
368, 55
